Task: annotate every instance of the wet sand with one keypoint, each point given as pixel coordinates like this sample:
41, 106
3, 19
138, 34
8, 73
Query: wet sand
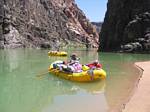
140, 101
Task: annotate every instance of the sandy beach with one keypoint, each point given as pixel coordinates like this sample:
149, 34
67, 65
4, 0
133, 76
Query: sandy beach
140, 101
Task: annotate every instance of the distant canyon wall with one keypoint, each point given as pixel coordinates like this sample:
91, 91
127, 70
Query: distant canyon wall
98, 26
43, 24
126, 26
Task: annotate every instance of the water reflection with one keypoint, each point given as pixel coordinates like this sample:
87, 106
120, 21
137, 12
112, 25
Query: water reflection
121, 77
79, 97
21, 91
78, 103
73, 87
9, 60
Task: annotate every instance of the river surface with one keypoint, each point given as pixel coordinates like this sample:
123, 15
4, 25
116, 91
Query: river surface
22, 91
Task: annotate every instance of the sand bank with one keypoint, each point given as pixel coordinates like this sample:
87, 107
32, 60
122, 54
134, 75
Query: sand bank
140, 101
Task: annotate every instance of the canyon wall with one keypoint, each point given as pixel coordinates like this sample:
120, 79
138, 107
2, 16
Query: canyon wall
126, 26
44, 24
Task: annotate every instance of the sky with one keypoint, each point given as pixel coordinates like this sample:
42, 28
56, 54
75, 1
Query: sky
93, 9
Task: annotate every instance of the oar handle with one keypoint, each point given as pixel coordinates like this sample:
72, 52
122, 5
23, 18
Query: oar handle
39, 75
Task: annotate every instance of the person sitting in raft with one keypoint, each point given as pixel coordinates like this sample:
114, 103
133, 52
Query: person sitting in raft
53, 52
60, 65
63, 66
77, 67
94, 65
74, 63
73, 59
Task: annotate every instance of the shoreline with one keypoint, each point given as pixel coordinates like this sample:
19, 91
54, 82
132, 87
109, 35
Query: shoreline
140, 100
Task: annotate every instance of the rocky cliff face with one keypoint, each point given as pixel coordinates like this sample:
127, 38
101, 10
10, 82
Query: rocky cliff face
98, 26
126, 23
44, 23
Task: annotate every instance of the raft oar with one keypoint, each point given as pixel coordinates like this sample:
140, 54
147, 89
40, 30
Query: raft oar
42, 74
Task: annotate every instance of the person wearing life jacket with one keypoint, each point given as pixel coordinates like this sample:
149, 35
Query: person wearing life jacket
73, 59
74, 63
94, 64
77, 67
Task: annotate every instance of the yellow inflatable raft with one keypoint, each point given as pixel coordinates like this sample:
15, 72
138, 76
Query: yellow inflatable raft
57, 53
84, 76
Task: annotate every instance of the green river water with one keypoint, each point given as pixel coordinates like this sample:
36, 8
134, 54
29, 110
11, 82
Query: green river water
22, 91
